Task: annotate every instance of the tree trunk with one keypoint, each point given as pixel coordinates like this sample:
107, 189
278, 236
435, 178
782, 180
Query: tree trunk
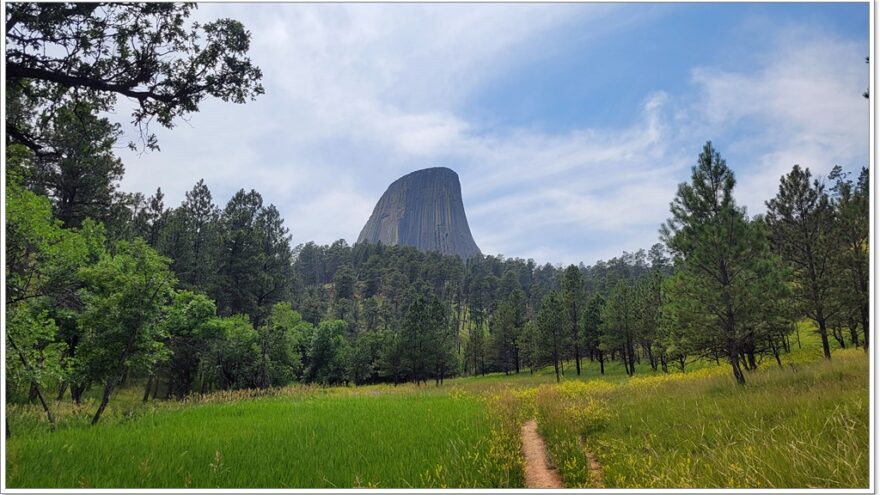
34, 385
556, 368
148, 388
752, 364
631, 354
105, 398
76, 391
155, 387
32, 393
61, 389
516, 358
651, 358
823, 332
733, 357
854, 332
113, 381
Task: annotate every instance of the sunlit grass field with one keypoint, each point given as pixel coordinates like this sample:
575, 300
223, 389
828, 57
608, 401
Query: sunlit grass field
320, 440
802, 425
794, 427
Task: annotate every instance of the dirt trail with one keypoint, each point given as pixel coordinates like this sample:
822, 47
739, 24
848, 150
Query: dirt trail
595, 468
538, 473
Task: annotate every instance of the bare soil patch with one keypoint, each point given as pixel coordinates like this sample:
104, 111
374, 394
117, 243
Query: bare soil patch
538, 473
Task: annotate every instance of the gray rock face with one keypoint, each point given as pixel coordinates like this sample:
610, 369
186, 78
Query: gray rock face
422, 209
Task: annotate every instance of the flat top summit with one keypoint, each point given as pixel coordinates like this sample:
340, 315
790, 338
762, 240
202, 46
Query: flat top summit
423, 209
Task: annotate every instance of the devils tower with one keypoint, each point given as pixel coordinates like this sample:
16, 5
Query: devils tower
422, 209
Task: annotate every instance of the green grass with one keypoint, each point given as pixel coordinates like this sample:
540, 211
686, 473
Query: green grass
802, 425
388, 440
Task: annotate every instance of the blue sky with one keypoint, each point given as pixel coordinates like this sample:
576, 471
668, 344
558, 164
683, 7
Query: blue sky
588, 81
569, 124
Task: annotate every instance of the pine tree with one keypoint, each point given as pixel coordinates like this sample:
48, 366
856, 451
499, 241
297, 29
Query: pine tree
716, 249
801, 222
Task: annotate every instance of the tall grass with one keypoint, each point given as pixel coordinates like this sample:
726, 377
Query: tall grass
399, 440
793, 427
804, 424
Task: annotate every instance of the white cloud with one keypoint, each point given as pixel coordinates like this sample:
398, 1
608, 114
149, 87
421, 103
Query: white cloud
804, 106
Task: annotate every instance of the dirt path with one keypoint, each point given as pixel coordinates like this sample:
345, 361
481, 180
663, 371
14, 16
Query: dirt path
538, 473
595, 470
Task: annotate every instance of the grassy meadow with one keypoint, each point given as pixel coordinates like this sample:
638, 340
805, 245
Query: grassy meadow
802, 425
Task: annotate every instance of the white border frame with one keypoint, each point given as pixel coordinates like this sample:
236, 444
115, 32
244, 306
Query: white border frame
872, 286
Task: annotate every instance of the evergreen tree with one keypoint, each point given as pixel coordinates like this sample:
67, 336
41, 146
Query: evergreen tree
256, 264
593, 329
553, 330
619, 324
716, 249
198, 222
801, 221
82, 175
851, 203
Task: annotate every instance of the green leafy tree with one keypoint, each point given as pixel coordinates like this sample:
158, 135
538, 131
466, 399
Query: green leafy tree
192, 240
648, 299
186, 324
256, 266
416, 341
528, 344
280, 350
475, 350
31, 358
506, 324
42, 263
96, 52
329, 355
149, 221
231, 362
442, 335
343, 283
124, 294
367, 357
